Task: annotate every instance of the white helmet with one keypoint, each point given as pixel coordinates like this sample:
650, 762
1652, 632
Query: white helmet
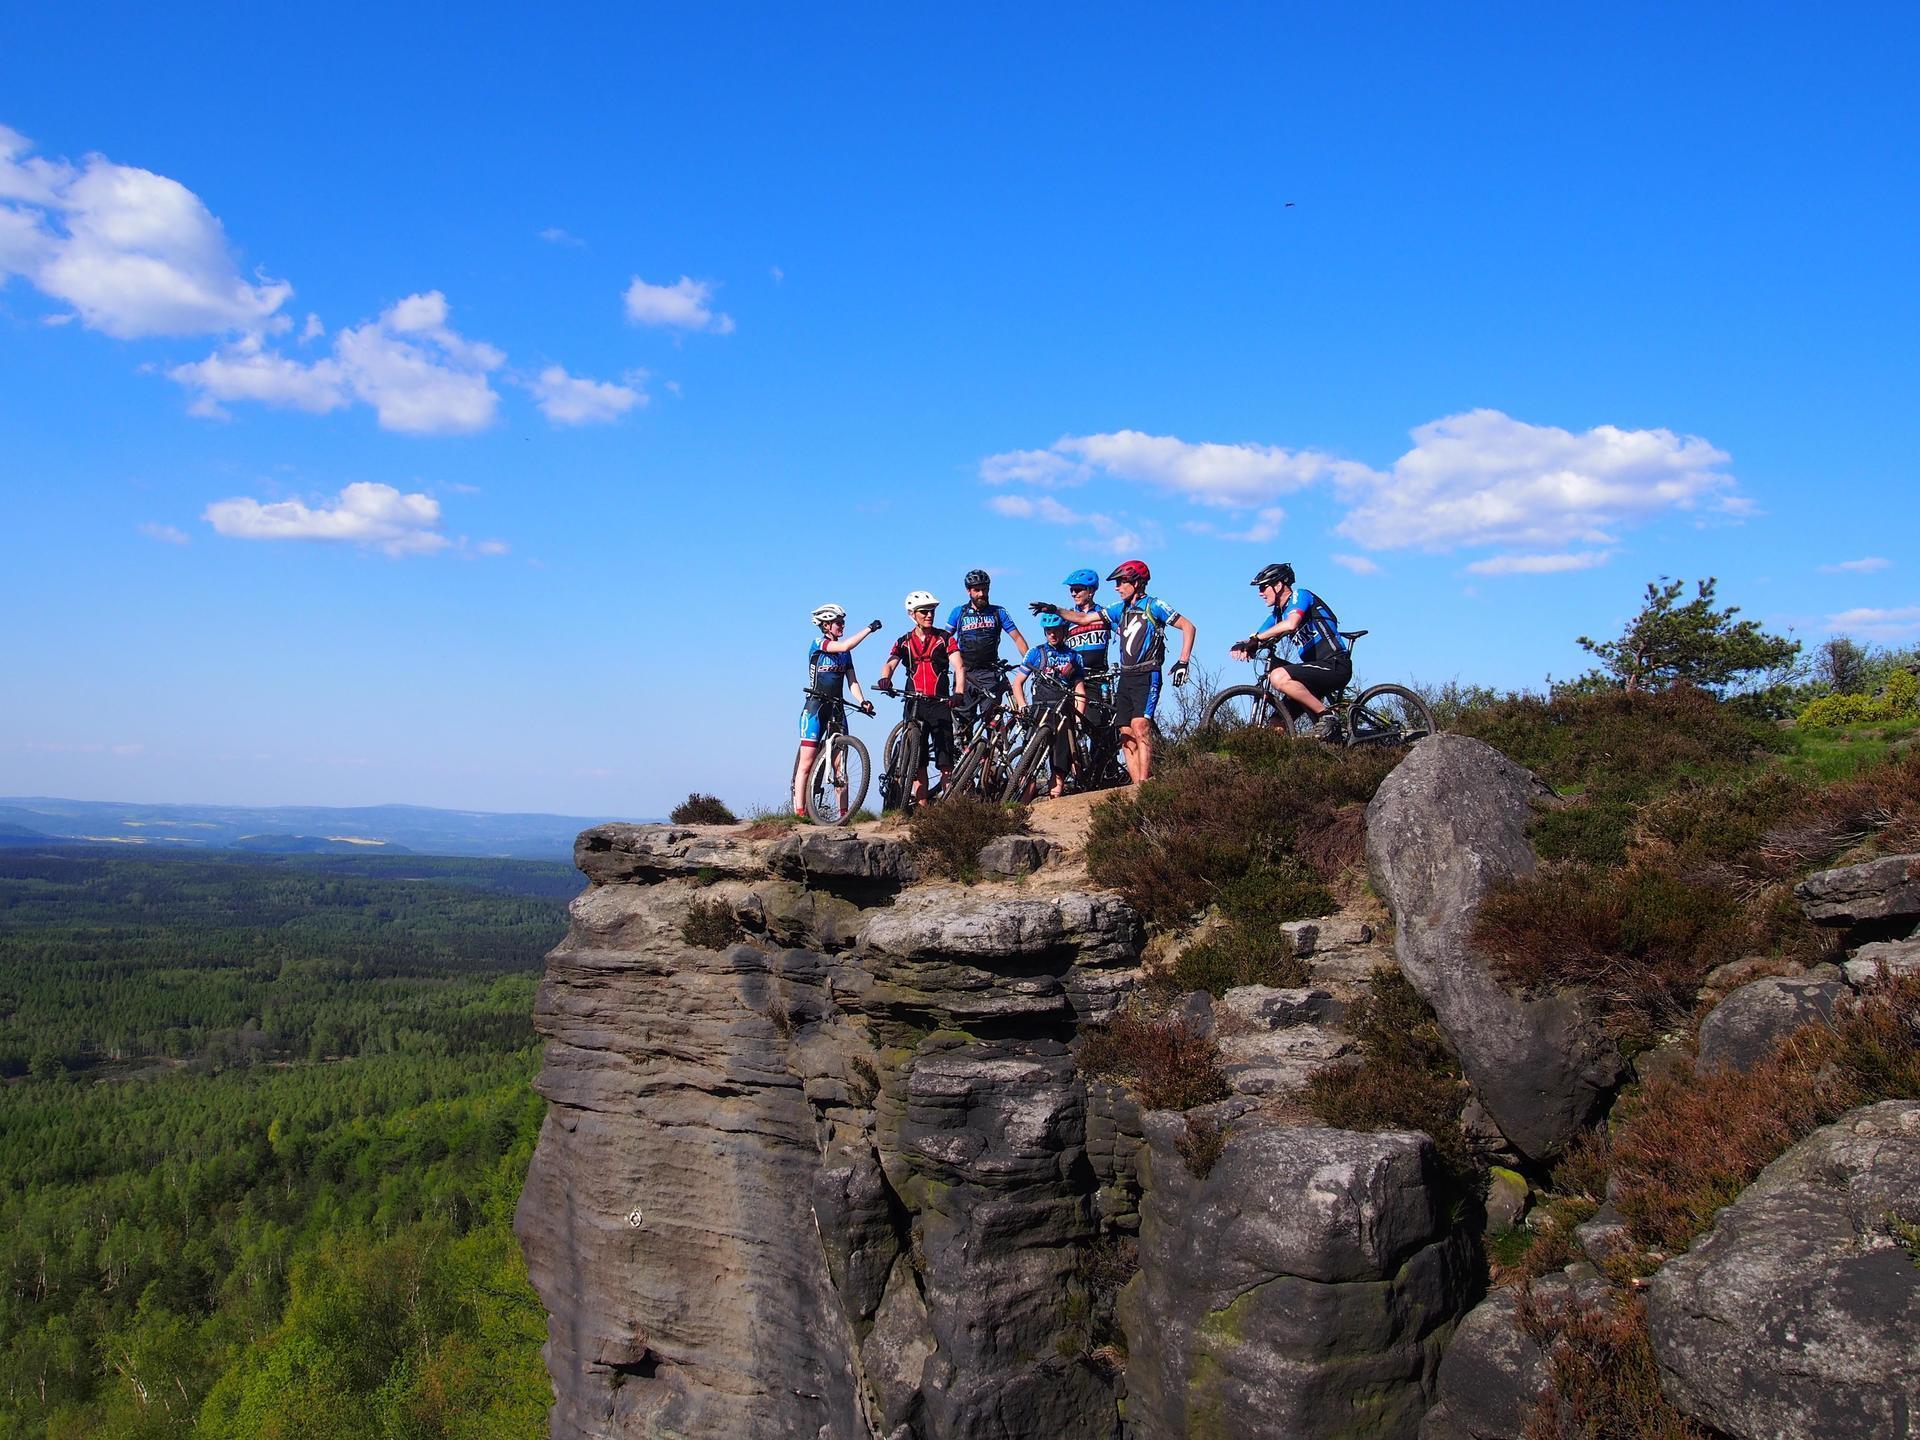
919, 600
829, 611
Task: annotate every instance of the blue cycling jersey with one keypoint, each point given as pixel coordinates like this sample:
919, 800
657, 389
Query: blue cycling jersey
1318, 635
827, 670
1055, 670
1088, 637
1142, 630
978, 632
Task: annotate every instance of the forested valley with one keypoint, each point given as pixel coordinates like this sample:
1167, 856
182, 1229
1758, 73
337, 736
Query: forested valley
263, 1122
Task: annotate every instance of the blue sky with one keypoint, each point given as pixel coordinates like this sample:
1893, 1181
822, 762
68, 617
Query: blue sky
473, 419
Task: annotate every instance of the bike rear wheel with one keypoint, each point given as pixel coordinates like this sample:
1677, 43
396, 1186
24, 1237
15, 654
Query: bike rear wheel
1388, 715
837, 783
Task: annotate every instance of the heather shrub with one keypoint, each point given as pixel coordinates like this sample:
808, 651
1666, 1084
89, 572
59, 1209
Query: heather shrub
1246, 803
1239, 954
1406, 1078
1200, 1145
1602, 1380
1693, 1141
948, 836
700, 809
1167, 1063
709, 925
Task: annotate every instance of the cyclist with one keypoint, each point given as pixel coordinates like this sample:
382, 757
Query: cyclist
1057, 673
1089, 630
929, 653
978, 625
829, 666
1325, 660
1140, 626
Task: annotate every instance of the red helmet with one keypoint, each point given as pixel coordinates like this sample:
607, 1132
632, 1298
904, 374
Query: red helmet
1134, 570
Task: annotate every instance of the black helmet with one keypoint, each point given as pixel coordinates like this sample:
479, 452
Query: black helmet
978, 580
1281, 574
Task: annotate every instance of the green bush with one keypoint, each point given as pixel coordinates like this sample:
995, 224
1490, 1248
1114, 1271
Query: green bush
1239, 954
948, 836
700, 809
1896, 701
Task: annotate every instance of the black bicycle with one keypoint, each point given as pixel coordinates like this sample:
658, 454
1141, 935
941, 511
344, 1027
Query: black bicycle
1048, 748
908, 748
1382, 715
1099, 763
987, 746
838, 778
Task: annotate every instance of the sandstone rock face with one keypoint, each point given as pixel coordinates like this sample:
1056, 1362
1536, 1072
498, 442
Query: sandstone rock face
1444, 828
1884, 889
835, 1182
1305, 1287
1798, 1314
1493, 1374
1741, 1029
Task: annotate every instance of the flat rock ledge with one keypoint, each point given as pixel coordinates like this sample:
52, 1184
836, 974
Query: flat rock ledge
1883, 889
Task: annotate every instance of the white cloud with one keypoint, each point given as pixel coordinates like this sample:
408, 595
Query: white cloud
573, 400
1116, 535
420, 375
1894, 624
491, 547
1358, 564
1475, 479
682, 305
1263, 527
1866, 565
364, 513
554, 235
166, 534
1483, 478
779, 275
1539, 564
312, 330
133, 253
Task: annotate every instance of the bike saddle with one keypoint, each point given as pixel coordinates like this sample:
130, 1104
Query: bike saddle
1351, 634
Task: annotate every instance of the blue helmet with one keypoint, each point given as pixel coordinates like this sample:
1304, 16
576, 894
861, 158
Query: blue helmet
1088, 578
1051, 618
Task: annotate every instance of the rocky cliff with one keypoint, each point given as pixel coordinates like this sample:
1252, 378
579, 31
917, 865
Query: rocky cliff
821, 1160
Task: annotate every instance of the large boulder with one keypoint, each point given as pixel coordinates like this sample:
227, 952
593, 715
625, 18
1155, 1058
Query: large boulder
1883, 889
1741, 1029
1448, 825
1304, 1286
1798, 1314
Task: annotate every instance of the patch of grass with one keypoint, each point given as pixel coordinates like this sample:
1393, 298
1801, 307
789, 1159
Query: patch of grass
1693, 1142
1234, 810
948, 836
709, 925
1167, 1063
1239, 954
1405, 1079
1843, 753
770, 822
702, 809
1602, 1381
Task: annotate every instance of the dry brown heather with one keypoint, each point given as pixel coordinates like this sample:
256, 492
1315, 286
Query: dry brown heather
1168, 1064
947, 837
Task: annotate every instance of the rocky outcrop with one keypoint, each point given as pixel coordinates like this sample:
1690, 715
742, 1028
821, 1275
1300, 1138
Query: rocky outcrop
1494, 1375
1445, 827
1304, 1286
1878, 890
1798, 1314
1897, 957
1742, 1028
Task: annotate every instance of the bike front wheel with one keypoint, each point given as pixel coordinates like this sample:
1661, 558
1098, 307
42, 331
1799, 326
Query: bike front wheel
1388, 715
905, 748
1241, 706
1024, 777
837, 783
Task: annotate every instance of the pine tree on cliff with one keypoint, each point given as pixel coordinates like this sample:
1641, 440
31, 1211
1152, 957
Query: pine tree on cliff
1669, 643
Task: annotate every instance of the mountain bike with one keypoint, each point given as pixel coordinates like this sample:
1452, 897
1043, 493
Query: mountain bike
1047, 740
1098, 761
986, 747
838, 778
907, 749
1380, 715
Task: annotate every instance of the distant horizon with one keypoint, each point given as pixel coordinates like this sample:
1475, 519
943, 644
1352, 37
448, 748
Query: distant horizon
292, 805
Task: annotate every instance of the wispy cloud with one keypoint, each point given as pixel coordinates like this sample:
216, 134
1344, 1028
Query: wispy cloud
574, 400
683, 305
133, 253
554, 235
1540, 564
1866, 565
1876, 624
1358, 564
365, 513
1114, 534
165, 534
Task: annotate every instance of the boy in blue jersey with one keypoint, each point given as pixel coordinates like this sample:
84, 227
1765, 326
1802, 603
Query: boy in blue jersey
1057, 673
829, 669
1325, 660
977, 626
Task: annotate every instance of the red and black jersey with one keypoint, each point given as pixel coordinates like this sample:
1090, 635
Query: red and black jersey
927, 661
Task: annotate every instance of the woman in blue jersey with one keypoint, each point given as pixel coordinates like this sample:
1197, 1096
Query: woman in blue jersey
1324, 663
829, 669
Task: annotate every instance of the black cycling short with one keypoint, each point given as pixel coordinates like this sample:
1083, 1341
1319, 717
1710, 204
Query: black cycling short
1321, 679
936, 725
1136, 694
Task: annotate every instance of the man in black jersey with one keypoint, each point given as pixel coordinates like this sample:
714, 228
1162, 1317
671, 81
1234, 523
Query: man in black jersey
977, 627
